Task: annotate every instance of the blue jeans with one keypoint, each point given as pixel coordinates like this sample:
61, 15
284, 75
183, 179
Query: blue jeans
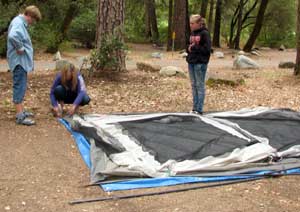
197, 74
68, 96
19, 76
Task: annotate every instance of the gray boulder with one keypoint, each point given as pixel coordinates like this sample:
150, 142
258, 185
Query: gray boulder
282, 48
60, 64
172, 71
157, 55
219, 55
57, 56
243, 62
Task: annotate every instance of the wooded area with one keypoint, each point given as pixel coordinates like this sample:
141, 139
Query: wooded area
237, 24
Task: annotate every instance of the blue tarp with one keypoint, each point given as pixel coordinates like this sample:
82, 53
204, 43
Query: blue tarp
84, 149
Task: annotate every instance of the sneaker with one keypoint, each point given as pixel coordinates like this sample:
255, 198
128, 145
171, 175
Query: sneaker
22, 119
28, 114
196, 112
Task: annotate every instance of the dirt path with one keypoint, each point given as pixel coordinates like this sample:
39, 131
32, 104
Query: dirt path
41, 169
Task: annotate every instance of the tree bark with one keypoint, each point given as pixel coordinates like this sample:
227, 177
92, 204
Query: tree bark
297, 67
150, 10
217, 28
110, 22
147, 21
180, 23
211, 14
258, 25
239, 26
170, 26
203, 10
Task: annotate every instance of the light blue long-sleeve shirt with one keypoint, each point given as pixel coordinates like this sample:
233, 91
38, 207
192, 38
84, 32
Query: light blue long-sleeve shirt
18, 39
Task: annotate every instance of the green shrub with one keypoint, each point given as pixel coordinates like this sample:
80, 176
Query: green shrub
44, 36
83, 28
106, 57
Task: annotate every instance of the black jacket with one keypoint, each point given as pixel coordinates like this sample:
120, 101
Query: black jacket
201, 47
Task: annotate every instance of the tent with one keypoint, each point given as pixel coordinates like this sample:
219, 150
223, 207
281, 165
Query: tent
130, 151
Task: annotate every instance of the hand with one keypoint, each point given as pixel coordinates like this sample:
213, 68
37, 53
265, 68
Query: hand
57, 112
190, 47
72, 110
20, 52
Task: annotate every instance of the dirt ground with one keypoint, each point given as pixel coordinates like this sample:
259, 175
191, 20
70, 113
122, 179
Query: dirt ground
41, 169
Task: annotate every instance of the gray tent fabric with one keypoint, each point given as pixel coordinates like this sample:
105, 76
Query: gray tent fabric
177, 144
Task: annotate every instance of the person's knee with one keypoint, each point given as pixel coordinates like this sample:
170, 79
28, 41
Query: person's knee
59, 92
85, 100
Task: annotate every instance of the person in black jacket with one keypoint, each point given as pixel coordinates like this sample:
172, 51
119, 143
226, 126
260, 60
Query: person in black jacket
198, 50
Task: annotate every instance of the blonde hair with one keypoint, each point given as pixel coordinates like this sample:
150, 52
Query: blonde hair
198, 19
195, 18
64, 72
33, 12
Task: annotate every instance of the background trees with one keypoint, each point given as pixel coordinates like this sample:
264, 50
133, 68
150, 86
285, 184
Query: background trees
232, 23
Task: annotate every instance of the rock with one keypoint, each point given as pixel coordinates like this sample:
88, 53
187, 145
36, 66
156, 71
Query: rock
60, 64
265, 48
282, 48
157, 55
172, 71
184, 54
286, 64
241, 53
255, 52
219, 55
148, 67
57, 56
243, 62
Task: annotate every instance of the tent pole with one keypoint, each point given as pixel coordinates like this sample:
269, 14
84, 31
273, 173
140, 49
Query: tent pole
99, 199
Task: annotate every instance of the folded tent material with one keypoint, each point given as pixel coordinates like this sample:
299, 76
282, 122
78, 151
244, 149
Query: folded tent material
163, 145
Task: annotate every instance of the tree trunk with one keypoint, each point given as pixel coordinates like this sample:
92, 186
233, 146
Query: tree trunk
180, 23
147, 21
258, 25
217, 28
239, 26
110, 22
297, 67
211, 14
150, 7
203, 10
62, 33
170, 26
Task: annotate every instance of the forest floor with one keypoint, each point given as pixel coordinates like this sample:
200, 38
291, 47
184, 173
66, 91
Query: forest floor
41, 169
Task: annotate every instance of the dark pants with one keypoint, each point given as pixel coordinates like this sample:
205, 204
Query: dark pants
68, 96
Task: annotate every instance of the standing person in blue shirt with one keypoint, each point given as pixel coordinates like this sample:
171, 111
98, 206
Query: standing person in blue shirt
20, 58
198, 50
68, 88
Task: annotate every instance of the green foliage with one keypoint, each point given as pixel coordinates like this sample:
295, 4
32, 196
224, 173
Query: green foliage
280, 24
83, 28
44, 36
135, 21
106, 57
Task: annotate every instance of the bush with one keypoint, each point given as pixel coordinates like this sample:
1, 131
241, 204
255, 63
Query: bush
83, 28
106, 57
44, 36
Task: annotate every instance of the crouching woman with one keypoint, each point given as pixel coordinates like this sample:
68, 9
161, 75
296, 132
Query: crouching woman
68, 88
